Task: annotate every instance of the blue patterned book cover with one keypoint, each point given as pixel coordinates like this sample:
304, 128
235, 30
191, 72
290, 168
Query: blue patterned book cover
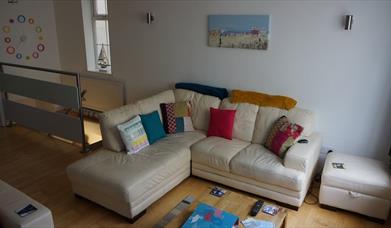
206, 216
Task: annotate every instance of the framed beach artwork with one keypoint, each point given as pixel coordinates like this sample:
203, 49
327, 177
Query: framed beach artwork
239, 31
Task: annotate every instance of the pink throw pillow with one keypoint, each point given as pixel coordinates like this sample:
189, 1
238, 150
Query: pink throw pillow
221, 123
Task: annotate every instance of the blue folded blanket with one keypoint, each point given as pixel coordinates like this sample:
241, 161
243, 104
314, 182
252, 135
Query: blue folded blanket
204, 89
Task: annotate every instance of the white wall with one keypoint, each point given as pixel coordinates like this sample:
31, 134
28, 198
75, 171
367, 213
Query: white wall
43, 14
101, 95
344, 76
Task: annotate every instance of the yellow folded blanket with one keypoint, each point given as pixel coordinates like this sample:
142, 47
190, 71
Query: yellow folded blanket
263, 99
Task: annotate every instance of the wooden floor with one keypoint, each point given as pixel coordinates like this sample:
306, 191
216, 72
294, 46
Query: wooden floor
35, 164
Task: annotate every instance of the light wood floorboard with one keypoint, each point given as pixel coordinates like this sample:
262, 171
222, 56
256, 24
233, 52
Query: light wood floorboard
35, 164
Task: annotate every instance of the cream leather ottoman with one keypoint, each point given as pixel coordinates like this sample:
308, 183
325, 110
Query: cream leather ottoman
12, 199
363, 186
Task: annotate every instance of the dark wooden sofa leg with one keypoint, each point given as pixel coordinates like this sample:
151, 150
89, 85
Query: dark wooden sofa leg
288, 206
376, 220
131, 220
135, 218
78, 196
327, 207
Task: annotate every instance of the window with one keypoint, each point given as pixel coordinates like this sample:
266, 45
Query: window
96, 34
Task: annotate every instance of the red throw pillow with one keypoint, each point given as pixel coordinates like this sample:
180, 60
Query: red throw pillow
221, 123
282, 136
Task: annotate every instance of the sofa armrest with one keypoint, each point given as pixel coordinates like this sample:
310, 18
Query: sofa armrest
304, 156
109, 120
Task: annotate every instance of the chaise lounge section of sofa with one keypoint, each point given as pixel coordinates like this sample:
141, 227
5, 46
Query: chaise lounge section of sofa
129, 183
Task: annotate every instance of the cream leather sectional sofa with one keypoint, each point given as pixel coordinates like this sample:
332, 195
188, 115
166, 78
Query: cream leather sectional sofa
128, 184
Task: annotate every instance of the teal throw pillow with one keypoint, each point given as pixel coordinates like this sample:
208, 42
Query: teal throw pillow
153, 126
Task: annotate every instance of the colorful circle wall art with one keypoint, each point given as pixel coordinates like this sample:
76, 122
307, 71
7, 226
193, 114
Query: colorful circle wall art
35, 55
40, 47
38, 29
21, 19
23, 38
6, 29
10, 50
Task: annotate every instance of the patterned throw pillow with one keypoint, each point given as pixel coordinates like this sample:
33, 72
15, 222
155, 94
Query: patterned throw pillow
133, 135
282, 136
177, 117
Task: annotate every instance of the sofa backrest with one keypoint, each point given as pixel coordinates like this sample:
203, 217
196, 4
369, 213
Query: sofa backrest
111, 138
200, 106
253, 123
266, 117
245, 117
152, 103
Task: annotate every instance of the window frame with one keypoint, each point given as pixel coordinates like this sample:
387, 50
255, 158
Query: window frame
95, 13
99, 17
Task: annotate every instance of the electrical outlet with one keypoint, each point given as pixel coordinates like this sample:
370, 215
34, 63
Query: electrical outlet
326, 150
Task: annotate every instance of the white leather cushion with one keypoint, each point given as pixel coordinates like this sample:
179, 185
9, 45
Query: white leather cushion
128, 176
257, 163
216, 152
200, 104
362, 175
267, 116
111, 137
244, 118
152, 103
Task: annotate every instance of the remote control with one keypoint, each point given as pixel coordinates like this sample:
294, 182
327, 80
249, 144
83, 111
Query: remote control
256, 208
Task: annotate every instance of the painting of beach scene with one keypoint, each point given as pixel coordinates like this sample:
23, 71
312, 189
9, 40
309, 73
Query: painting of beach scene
239, 31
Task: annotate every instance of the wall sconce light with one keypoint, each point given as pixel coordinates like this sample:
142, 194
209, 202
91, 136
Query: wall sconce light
150, 18
348, 22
